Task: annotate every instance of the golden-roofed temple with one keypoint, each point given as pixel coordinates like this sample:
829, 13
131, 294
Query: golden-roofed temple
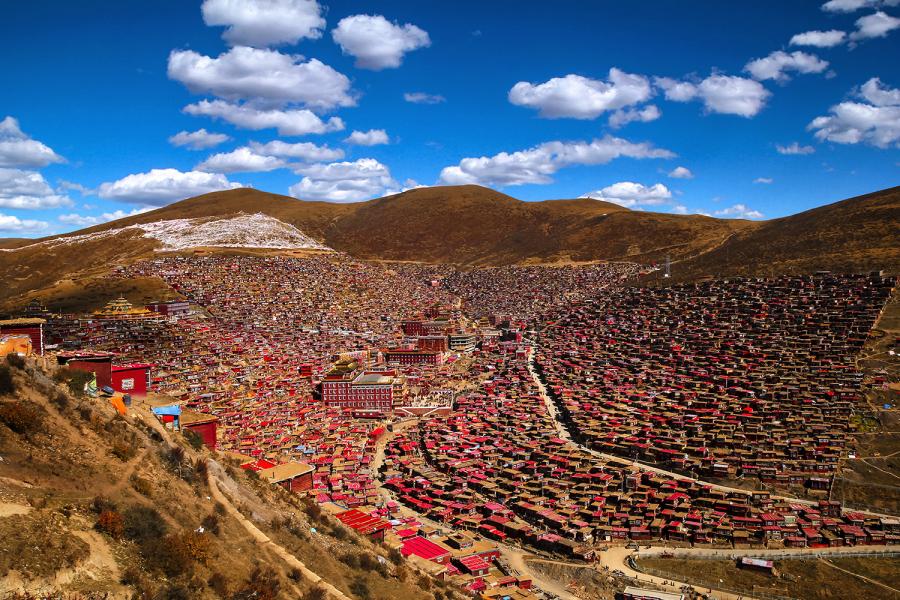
123, 310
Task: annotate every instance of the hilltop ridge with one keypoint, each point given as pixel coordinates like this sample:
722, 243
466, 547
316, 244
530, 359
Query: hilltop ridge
475, 226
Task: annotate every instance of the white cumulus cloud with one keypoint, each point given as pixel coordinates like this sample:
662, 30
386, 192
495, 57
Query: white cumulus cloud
300, 121
302, 150
90, 220
623, 116
739, 211
875, 92
240, 160
630, 194
198, 140
343, 181
579, 97
423, 98
876, 25
158, 187
794, 148
13, 224
376, 43
819, 39
848, 6
373, 137
265, 22
537, 164
763, 180
28, 190
681, 173
18, 150
724, 94
777, 64
262, 75
875, 122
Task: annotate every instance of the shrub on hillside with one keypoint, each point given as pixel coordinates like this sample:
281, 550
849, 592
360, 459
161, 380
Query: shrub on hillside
59, 399
315, 593
211, 523
73, 379
111, 523
193, 438
22, 417
360, 589
7, 385
177, 553
144, 524
123, 451
15, 361
219, 584
141, 486
101, 503
262, 585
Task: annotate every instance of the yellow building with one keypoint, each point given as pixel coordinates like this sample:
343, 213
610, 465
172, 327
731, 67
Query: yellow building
121, 309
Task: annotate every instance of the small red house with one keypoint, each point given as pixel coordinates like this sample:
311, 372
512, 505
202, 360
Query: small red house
133, 379
426, 549
98, 363
368, 525
293, 476
34, 328
202, 424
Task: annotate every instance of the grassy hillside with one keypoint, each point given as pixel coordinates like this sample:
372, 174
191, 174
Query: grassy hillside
859, 234
93, 503
472, 225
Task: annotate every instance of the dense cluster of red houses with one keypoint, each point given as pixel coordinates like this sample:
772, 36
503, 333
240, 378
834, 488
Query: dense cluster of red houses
496, 465
301, 361
527, 292
729, 379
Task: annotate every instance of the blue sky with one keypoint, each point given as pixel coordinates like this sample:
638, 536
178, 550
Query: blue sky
755, 109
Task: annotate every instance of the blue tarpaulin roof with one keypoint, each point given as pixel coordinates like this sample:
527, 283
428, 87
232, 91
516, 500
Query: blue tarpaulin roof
174, 410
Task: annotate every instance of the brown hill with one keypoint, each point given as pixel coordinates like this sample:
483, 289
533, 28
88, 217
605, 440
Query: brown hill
14, 242
467, 225
859, 234
475, 226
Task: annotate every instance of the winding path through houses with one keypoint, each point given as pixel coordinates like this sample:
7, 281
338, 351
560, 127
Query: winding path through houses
565, 434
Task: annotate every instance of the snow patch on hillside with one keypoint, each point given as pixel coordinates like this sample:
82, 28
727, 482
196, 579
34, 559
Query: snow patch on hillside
244, 231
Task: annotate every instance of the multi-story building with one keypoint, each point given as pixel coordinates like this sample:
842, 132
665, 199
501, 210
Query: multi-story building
432, 342
462, 342
347, 386
412, 356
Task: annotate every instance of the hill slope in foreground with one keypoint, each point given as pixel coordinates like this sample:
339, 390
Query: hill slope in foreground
476, 226
98, 505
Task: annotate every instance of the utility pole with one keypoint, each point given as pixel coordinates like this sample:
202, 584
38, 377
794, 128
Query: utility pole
668, 272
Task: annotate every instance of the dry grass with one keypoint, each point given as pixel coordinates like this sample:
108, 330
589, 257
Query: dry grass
806, 579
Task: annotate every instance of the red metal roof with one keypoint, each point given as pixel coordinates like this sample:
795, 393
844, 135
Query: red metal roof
423, 548
363, 523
